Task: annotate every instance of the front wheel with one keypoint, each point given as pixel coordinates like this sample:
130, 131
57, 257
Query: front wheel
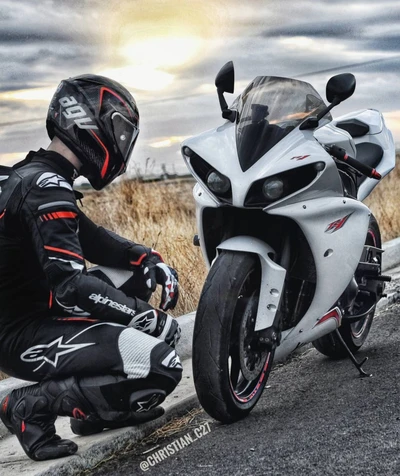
230, 368
354, 334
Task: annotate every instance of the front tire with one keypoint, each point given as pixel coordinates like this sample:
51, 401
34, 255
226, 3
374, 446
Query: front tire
230, 370
354, 334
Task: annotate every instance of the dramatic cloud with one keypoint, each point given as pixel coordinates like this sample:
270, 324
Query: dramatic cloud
167, 52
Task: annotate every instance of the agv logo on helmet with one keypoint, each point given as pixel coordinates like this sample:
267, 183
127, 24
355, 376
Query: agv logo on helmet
77, 112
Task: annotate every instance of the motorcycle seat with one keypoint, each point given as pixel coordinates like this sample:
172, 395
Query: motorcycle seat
369, 153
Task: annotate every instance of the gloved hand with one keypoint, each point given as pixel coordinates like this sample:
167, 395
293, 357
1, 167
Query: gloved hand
156, 323
168, 329
155, 271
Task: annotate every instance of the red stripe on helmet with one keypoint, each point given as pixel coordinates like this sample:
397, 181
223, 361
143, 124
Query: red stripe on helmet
116, 95
105, 165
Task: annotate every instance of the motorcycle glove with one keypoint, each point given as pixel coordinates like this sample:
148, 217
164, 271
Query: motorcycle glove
155, 271
156, 323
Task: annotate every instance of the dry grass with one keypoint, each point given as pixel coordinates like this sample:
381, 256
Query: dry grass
384, 202
176, 425
160, 215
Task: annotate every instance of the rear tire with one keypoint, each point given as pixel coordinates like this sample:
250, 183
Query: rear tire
224, 345
354, 334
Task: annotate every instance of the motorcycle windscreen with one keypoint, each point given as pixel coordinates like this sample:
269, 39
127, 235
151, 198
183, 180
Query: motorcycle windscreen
268, 110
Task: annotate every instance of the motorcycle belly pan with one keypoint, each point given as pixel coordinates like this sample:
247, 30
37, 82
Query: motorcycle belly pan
335, 229
289, 342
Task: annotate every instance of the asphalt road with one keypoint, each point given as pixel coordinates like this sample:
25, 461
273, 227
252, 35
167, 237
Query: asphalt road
316, 418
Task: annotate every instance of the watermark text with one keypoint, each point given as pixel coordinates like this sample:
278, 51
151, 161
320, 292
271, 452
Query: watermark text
177, 445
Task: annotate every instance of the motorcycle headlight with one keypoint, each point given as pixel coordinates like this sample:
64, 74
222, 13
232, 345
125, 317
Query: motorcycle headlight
218, 183
267, 190
273, 188
186, 151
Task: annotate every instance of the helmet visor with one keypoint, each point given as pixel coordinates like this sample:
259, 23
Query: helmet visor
125, 135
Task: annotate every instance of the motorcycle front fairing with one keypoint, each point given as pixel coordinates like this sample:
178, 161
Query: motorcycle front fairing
233, 150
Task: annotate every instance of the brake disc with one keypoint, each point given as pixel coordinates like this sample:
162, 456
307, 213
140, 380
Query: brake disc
252, 358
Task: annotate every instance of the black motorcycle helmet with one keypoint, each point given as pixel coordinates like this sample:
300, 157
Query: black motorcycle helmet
97, 118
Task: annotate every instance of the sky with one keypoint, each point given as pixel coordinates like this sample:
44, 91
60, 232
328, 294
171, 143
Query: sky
168, 52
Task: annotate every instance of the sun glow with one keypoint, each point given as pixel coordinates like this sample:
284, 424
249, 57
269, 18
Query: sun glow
140, 77
159, 39
160, 52
146, 58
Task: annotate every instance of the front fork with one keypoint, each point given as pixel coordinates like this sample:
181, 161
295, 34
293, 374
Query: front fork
270, 337
273, 275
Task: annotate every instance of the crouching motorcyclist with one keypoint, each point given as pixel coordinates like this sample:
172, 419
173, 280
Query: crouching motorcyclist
98, 351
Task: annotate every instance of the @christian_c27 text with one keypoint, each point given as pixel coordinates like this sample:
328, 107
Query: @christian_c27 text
175, 446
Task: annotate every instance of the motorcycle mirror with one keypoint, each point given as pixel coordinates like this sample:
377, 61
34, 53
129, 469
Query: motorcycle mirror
340, 87
225, 79
225, 82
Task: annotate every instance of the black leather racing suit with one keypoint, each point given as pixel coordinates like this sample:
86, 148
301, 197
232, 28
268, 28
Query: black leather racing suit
56, 318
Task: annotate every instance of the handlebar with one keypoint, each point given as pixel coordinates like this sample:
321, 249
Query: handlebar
341, 154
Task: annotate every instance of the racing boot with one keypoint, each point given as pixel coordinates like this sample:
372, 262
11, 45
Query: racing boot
94, 425
144, 406
27, 413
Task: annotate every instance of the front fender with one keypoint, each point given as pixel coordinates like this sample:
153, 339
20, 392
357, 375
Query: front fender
272, 276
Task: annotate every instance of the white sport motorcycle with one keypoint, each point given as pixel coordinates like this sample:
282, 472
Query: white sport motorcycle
295, 255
